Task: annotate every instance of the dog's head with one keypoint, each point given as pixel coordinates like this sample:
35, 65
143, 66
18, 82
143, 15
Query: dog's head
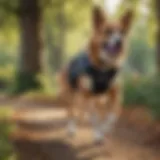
108, 40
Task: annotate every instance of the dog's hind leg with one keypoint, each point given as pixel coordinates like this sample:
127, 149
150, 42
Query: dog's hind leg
66, 95
71, 123
77, 104
71, 127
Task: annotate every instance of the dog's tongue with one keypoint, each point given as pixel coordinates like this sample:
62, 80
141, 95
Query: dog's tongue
112, 49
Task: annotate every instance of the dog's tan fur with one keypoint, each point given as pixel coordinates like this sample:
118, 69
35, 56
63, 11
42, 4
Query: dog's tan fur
82, 99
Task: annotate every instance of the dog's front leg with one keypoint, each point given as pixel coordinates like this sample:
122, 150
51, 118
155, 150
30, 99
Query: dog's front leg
97, 112
85, 87
115, 100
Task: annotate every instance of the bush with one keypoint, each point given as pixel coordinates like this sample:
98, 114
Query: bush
143, 91
6, 150
6, 77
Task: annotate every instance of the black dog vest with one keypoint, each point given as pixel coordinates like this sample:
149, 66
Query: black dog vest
101, 79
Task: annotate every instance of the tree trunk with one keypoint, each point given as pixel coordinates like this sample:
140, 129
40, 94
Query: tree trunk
31, 45
157, 8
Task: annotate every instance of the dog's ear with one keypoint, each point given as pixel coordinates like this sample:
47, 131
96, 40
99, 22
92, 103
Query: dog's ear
98, 17
126, 20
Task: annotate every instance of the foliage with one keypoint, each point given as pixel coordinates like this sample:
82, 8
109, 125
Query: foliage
141, 55
25, 82
64, 32
6, 77
143, 91
6, 152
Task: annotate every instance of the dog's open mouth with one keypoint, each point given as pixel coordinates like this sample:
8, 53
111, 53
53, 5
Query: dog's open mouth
114, 49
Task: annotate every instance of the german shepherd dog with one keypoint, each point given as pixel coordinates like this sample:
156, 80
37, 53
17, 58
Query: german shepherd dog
90, 81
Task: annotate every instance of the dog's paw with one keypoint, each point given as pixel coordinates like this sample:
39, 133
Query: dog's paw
99, 137
71, 129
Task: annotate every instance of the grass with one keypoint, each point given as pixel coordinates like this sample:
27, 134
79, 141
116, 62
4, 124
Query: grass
6, 150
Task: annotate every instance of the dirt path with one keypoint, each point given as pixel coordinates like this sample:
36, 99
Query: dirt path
41, 135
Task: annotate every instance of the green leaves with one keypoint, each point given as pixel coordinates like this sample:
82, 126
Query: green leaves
6, 128
143, 91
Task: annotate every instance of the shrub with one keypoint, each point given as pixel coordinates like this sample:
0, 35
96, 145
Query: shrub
144, 91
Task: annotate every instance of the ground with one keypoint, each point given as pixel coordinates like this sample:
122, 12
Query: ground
40, 134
